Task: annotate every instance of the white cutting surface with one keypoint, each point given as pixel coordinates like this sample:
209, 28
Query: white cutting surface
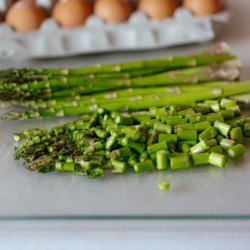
196, 191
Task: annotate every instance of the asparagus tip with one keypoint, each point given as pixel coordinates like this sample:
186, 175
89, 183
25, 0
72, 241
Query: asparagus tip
221, 47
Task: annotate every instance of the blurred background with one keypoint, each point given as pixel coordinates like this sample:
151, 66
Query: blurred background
50, 29
113, 30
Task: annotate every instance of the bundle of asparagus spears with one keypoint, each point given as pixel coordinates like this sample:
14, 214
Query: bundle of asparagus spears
145, 114
125, 86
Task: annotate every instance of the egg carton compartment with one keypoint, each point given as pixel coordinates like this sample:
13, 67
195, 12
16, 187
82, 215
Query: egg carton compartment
96, 36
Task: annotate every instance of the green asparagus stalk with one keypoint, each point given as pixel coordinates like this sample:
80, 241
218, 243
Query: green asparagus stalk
132, 93
139, 103
74, 86
245, 98
218, 53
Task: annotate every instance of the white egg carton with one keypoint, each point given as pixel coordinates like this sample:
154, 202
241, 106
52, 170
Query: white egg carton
95, 36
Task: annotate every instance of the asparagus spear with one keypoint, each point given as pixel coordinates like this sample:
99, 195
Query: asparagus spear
245, 98
51, 88
138, 103
218, 53
132, 93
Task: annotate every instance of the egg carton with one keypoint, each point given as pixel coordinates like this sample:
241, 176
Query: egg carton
96, 36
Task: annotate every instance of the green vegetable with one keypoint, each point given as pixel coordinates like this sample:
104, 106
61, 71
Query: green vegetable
208, 134
236, 151
187, 135
199, 148
156, 147
164, 185
144, 166
200, 159
119, 166
236, 134
169, 138
146, 115
179, 161
91, 145
222, 127
226, 143
216, 149
162, 159
217, 159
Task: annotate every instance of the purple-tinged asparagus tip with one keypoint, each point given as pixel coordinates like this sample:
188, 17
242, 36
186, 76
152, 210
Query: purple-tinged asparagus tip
235, 63
221, 48
229, 74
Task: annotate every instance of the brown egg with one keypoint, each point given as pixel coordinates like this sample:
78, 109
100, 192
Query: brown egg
28, 1
23, 16
158, 9
113, 11
203, 7
72, 13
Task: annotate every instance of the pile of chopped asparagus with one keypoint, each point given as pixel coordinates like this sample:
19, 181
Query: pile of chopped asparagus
172, 112
175, 137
